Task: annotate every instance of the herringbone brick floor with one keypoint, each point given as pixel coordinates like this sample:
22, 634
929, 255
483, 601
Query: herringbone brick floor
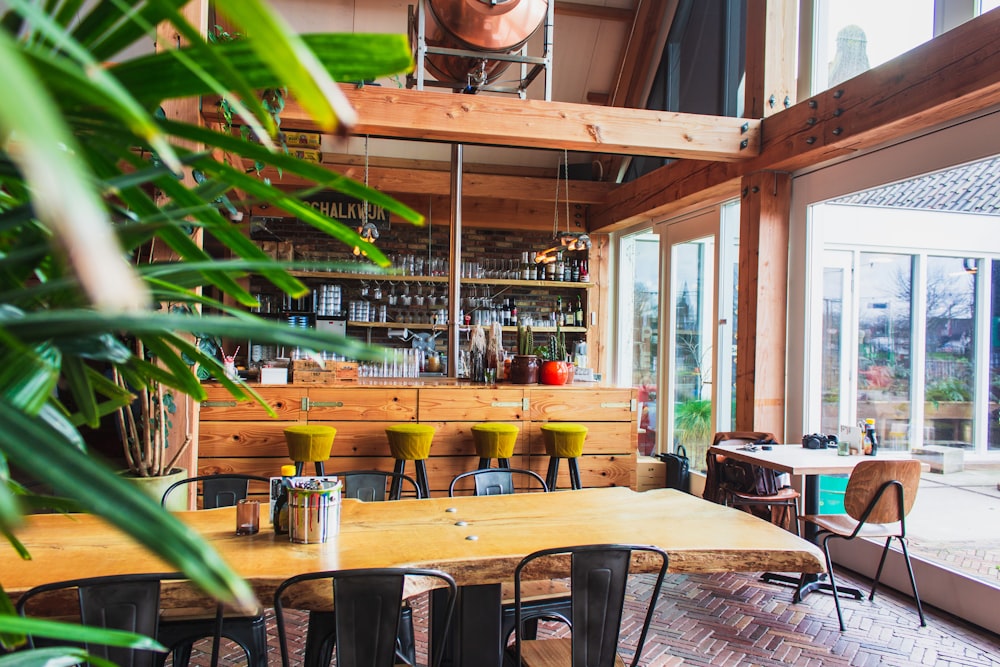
735, 620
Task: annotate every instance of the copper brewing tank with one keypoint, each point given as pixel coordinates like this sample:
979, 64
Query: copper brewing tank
500, 26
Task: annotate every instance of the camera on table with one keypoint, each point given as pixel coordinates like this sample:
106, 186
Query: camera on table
819, 441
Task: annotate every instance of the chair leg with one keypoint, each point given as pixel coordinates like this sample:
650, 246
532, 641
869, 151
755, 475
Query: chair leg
552, 476
913, 581
421, 467
320, 637
574, 474
833, 582
406, 647
395, 486
881, 564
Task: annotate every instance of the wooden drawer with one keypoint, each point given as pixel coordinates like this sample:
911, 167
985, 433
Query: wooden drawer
455, 439
583, 405
357, 404
242, 438
221, 406
473, 403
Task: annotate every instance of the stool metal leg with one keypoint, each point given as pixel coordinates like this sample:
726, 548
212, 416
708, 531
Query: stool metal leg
298, 468
425, 489
484, 463
503, 463
552, 476
574, 474
396, 486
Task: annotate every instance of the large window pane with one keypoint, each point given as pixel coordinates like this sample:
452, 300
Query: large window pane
833, 347
691, 292
855, 35
948, 368
885, 283
641, 278
993, 430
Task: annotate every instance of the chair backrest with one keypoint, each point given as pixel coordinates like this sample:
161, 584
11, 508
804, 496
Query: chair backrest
741, 437
122, 602
222, 490
371, 485
890, 485
368, 604
496, 481
598, 578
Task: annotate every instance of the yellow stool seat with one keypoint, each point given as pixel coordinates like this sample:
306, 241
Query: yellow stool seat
309, 442
494, 440
410, 442
564, 441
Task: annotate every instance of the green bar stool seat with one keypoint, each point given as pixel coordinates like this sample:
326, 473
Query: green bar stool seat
309, 442
410, 442
494, 440
563, 441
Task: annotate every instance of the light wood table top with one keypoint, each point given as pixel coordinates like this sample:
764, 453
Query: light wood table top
699, 536
797, 460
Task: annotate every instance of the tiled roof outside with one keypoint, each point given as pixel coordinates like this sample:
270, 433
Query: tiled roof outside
971, 188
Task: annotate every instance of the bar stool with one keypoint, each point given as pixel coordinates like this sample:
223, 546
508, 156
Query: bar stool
309, 442
410, 442
494, 440
563, 441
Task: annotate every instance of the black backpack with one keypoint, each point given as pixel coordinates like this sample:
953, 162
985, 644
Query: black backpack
678, 471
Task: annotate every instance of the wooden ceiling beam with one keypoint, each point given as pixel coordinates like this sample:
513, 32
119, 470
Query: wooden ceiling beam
592, 11
949, 77
397, 181
498, 121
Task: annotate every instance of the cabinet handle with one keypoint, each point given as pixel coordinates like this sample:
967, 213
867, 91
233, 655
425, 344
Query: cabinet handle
305, 404
327, 404
616, 405
219, 404
505, 404
525, 403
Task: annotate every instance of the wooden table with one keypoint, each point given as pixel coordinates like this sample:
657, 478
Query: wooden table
810, 463
699, 536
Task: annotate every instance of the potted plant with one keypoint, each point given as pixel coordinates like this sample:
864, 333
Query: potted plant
98, 173
554, 369
524, 365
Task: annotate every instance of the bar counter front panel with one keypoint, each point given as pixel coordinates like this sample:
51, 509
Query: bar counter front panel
241, 437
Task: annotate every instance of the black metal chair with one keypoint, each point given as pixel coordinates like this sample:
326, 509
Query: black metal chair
375, 485
367, 486
121, 602
367, 607
250, 632
496, 481
879, 495
598, 576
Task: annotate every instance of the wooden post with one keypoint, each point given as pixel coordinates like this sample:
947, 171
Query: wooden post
185, 420
771, 52
762, 299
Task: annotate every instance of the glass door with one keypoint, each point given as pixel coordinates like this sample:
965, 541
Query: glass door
690, 319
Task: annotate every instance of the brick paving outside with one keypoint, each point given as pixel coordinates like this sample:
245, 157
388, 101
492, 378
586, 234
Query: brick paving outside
736, 620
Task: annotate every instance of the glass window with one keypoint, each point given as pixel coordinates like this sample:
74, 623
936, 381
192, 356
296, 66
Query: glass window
640, 295
885, 286
852, 36
993, 431
949, 350
987, 5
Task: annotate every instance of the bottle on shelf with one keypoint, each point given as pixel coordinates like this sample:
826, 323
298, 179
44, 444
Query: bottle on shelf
513, 313
575, 275
527, 271
584, 271
557, 313
578, 313
560, 266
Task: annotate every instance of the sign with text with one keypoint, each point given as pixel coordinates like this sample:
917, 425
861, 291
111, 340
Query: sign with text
348, 210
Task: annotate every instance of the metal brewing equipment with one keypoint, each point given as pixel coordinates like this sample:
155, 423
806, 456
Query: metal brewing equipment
467, 44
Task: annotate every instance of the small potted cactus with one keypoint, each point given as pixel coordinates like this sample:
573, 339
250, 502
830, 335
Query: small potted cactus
554, 369
524, 365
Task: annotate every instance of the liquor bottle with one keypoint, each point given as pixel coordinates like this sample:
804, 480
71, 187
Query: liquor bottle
559, 311
505, 313
560, 266
575, 277
578, 315
540, 271
279, 511
513, 313
527, 271
568, 270
550, 270
584, 271
870, 438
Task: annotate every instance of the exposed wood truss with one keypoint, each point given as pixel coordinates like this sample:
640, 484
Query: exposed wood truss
949, 77
492, 120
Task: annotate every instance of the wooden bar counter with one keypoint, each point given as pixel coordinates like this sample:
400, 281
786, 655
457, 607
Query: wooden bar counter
241, 437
